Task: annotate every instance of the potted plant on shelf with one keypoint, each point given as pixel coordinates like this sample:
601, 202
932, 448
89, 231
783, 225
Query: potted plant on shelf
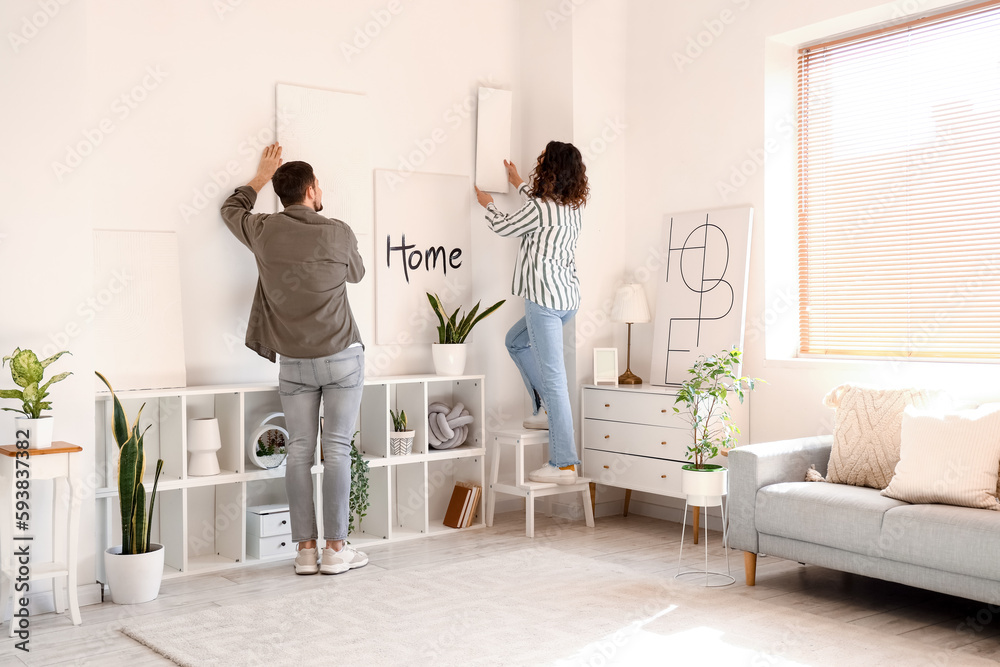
28, 372
449, 353
704, 398
358, 500
135, 568
401, 440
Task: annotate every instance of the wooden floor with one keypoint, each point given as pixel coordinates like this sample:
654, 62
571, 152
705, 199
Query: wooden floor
644, 544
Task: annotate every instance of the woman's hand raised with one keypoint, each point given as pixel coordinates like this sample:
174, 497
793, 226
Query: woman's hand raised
484, 198
512, 174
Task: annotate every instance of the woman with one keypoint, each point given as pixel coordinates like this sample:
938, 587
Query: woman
545, 275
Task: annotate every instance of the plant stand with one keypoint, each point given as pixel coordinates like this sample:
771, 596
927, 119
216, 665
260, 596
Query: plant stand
706, 502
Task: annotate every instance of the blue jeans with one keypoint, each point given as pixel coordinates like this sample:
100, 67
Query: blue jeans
339, 381
535, 344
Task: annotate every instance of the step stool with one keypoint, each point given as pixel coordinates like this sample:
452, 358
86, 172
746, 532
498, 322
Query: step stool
524, 488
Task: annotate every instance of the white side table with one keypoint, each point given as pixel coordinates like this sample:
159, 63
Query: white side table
58, 462
524, 488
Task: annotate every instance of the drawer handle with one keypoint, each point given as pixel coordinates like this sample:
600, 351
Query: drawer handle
663, 476
607, 467
282, 544
284, 522
607, 405
607, 437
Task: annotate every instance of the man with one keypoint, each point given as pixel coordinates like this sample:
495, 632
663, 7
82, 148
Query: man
301, 311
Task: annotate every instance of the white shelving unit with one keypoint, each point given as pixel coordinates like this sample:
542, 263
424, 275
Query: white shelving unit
201, 521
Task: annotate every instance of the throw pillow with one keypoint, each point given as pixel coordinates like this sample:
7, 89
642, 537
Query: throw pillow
866, 433
949, 458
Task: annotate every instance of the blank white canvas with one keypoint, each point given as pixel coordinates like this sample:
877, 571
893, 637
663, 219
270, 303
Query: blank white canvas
432, 211
137, 310
332, 132
701, 293
493, 139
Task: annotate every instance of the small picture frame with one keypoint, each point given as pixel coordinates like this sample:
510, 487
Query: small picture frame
606, 365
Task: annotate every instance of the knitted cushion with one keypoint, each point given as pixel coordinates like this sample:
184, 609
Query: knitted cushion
867, 433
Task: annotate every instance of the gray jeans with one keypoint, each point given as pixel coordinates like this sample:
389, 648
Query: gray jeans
339, 381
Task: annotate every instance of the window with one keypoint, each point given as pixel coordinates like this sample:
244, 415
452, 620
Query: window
899, 190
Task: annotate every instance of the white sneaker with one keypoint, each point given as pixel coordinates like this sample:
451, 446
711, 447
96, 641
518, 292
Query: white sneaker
348, 558
539, 422
552, 475
305, 561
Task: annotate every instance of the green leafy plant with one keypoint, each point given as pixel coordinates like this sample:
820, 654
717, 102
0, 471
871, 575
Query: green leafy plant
398, 421
27, 372
451, 328
705, 400
136, 519
358, 502
270, 443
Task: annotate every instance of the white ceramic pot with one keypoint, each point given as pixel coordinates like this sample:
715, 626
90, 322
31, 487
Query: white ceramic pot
39, 431
401, 442
449, 358
704, 487
134, 578
203, 442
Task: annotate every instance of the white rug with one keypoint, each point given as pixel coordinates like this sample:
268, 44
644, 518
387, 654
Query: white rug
535, 606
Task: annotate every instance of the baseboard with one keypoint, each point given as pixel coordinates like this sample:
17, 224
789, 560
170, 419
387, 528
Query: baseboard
42, 602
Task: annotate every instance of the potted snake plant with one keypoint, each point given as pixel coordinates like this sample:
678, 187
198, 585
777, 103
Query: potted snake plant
704, 401
401, 440
134, 568
450, 352
28, 372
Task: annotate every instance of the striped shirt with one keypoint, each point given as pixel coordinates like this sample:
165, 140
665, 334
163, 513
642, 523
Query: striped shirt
545, 271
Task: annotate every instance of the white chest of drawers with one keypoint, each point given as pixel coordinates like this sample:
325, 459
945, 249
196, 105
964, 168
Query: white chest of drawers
633, 439
269, 531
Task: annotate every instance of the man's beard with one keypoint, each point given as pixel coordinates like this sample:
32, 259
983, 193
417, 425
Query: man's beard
318, 206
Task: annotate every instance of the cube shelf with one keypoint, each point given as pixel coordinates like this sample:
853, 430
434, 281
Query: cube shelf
201, 520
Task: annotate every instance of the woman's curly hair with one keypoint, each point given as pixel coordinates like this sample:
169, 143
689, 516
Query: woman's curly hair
560, 176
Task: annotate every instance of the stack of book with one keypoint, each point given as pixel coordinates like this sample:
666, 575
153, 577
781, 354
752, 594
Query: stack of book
463, 505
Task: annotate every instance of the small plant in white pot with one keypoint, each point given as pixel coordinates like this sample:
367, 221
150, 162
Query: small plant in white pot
449, 353
401, 440
704, 398
28, 372
134, 569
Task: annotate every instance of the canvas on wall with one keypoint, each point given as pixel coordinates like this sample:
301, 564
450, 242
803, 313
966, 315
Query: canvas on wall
332, 132
423, 243
493, 120
136, 310
701, 292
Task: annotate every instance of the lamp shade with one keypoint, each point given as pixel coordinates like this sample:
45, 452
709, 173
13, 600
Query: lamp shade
630, 304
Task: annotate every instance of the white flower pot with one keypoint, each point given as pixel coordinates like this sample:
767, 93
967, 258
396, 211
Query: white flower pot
449, 358
134, 578
39, 431
401, 442
704, 488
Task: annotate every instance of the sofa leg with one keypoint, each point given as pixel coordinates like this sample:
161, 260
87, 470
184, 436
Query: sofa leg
750, 567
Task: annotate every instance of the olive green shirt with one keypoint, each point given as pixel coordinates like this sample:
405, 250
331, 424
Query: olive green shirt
304, 262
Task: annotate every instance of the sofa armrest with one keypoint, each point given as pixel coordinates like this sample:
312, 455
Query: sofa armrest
755, 466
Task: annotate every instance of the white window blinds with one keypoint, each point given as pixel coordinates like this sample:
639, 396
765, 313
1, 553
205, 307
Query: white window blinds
899, 190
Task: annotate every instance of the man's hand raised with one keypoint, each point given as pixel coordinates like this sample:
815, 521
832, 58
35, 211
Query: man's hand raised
270, 160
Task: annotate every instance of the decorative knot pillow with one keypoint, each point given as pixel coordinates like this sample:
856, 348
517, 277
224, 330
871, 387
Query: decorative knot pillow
949, 458
867, 431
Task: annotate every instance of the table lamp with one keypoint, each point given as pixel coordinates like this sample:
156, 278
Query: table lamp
630, 307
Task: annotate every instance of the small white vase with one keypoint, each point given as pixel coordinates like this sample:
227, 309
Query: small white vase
134, 578
705, 488
449, 358
39, 431
203, 443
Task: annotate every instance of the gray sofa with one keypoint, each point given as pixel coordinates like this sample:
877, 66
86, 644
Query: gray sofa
954, 550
